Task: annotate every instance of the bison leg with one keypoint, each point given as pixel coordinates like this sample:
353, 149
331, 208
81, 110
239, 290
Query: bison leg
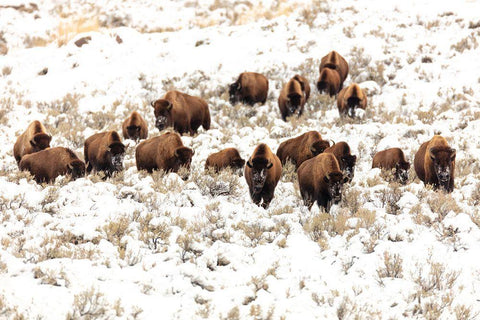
267, 198
323, 201
256, 198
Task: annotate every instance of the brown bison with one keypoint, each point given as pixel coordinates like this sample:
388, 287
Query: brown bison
165, 152
48, 164
32, 140
320, 179
349, 99
392, 159
135, 127
250, 88
302, 148
262, 173
104, 151
435, 163
335, 61
346, 160
184, 112
226, 158
329, 82
293, 96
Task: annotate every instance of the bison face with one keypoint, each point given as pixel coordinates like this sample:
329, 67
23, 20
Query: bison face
318, 147
182, 159
163, 113
293, 102
260, 167
134, 132
40, 142
443, 159
76, 169
115, 155
335, 181
401, 172
348, 166
237, 166
234, 92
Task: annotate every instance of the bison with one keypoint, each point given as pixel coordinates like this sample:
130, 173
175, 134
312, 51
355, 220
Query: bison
250, 88
435, 163
349, 99
302, 148
392, 159
104, 151
165, 152
135, 127
34, 139
346, 160
329, 82
226, 158
320, 179
293, 96
335, 61
46, 165
262, 173
184, 112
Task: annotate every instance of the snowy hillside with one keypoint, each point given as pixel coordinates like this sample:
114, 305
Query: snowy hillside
141, 246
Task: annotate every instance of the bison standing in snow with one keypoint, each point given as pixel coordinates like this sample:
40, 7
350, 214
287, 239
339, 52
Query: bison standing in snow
135, 127
335, 61
349, 99
104, 151
302, 148
293, 97
226, 158
250, 88
34, 139
392, 159
346, 160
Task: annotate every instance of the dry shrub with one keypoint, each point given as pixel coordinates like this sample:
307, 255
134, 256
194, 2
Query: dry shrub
67, 30
89, 304
289, 172
352, 199
441, 204
320, 225
255, 232
390, 196
392, 266
226, 182
154, 234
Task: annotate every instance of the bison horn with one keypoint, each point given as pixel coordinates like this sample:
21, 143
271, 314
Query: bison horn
269, 165
333, 142
70, 166
152, 104
169, 106
249, 164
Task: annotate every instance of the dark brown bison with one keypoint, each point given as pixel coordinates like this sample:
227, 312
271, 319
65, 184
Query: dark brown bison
320, 179
250, 88
293, 97
335, 61
104, 151
346, 160
262, 173
301, 148
165, 152
329, 82
34, 139
135, 127
392, 159
226, 158
182, 111
46, 165
435, 163
349, 99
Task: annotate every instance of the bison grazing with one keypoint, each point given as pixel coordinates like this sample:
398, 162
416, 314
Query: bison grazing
182, 111
293, 96
329, 82
135, 127
302, 148
346, 160
349, 99
392, 159
250, 88
435, 163
165, 152
321, 180
32, 140
226, 158
335, 61
262, 173
48, 164
104, 152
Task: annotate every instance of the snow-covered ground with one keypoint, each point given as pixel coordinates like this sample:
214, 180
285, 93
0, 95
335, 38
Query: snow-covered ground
157, 247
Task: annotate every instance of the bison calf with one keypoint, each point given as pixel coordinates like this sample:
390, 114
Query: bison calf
184, 112
346, 160
250, 88
302, 148
226, 158
321, 180
293, 97
104, 151
165, 152
32, 140
135, 127
48, 164
435, 163
392, 159
349, 99
262, 173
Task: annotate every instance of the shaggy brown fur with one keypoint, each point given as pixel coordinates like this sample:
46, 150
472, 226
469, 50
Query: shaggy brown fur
392, 159
335, 61
349, 99
346, 160
250, 88
435, 163
302, 148
34, 139
293, 97
104, 151
184, 112
329, 82
135, 127
48, 164
225, 158
165, 152
321, 180
262, 173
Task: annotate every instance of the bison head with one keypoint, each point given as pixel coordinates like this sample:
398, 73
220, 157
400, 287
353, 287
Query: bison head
163, 113
293, 102
318, 147
115, 154
237, 166
182, 159
347, 165
401, 171
443, 159
335, 181
133, 132
76, 169
234, 92
260, 167
40, 141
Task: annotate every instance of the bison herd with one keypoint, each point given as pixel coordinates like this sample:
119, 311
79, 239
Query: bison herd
323, 166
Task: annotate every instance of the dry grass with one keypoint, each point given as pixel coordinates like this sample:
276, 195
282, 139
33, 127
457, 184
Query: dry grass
67, 30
